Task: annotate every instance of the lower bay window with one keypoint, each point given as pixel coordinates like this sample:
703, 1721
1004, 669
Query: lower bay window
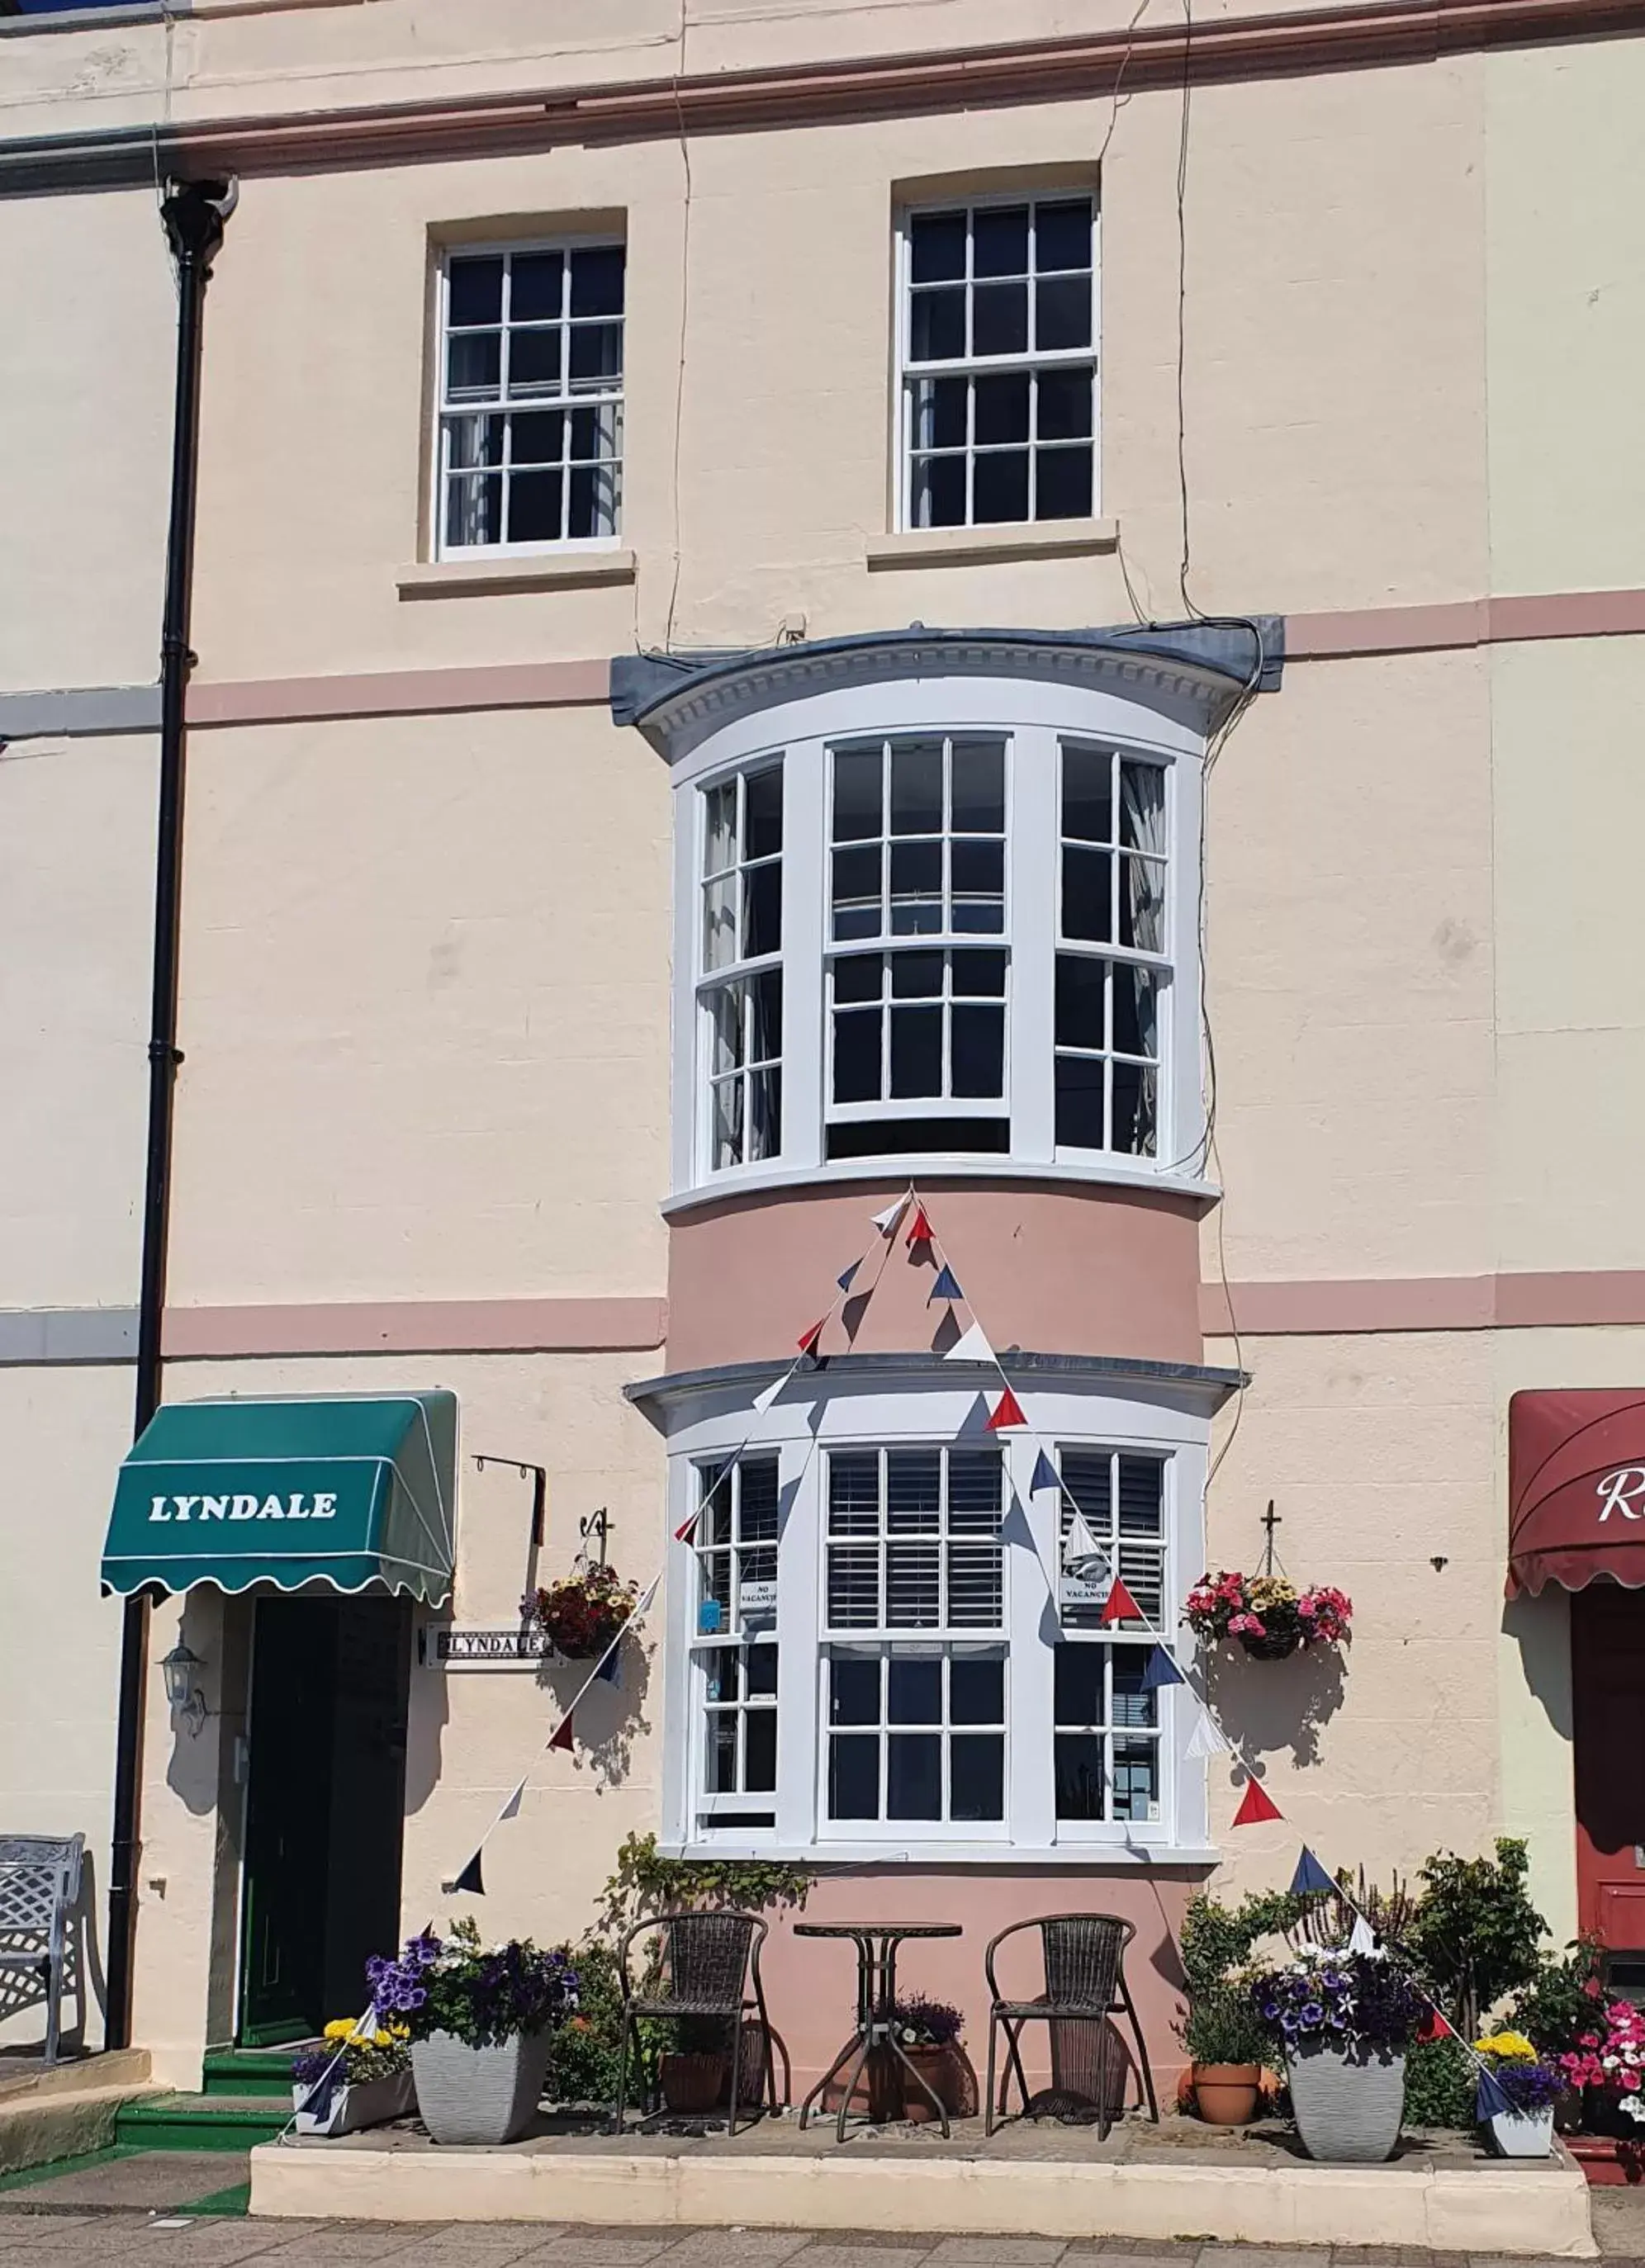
872, 1646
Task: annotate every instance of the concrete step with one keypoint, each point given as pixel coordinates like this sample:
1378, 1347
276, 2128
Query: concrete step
202, 2122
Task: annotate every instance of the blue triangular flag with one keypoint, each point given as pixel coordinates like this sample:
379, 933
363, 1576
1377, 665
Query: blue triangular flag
1490, 2101
611, 1667
845, 1281
947, 1286
1044, 1474
1160, 1669
469, 1878
1309, 1877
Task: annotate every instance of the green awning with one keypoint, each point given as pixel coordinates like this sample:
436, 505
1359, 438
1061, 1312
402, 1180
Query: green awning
351, 1490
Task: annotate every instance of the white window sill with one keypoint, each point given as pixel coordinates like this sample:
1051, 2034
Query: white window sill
754, 1180
961, 547
822, 1855
556, 570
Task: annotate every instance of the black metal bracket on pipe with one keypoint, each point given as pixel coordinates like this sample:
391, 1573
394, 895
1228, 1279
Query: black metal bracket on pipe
193, 214
538, 1479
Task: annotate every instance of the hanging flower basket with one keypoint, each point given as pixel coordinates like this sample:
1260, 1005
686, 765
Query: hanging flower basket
1267, 1614
583, 1612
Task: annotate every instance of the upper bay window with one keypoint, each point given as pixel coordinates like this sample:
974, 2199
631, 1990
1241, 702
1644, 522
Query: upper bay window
530, 410
998, 354
938, 916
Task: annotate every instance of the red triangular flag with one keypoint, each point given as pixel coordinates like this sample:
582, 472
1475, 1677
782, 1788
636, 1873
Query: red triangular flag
1120, 1607
562, 1734
809, 1339
1255, 1804
919, 1228
1433, 2027
1007, 1412
681, 1535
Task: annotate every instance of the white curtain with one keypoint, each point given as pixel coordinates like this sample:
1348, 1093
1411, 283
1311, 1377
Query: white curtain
1143, 830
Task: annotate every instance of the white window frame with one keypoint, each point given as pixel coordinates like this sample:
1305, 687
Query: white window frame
928, 1410
1035, 718
909, 373
735, 977
440, 547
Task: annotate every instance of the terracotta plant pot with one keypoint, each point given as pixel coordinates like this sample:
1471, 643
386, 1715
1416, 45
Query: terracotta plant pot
1227, 2094
691, 2084
940, 2069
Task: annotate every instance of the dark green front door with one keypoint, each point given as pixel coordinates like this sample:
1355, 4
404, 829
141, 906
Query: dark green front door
324, 1806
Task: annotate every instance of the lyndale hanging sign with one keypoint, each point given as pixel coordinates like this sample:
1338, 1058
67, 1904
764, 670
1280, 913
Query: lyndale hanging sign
299, 1505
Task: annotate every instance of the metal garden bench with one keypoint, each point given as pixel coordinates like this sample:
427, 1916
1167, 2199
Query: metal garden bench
40, 1897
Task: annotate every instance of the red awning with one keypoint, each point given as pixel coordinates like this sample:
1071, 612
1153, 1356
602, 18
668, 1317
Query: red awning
1576, 1488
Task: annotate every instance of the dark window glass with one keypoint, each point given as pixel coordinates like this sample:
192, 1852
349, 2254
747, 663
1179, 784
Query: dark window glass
1087, 910
916, 1052
1062, 235
939, 492
976, 1762
980, 1052
914, 1775
760, 1775
597, 280
857, 1057
854, 1776
1081, 991
939, 248
1078, 1103
1063, 485
999, 319
853, 1685
976, 1691
536, 287
1002, 409
533, 508
939, 325
1000, 235
916, 1692
476, 291
534, 362
858, 794
1000, 487
1079, 1777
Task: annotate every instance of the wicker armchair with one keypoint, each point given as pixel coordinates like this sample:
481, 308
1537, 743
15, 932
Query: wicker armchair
1084, 1957
703, 1964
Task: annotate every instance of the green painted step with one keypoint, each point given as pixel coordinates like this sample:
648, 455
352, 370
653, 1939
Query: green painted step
202, 2122
248, 2071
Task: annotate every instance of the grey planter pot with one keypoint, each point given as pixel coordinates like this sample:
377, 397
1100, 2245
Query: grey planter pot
345, 2109
479, 2096
1349, 2102
1523, 2133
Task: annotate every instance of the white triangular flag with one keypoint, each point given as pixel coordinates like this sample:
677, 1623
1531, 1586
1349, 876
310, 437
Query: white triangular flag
1083, 1557
511, 1809
1207, 1738
971, 1346
1362, 1937
886, 1221
767, 1395
365, 2029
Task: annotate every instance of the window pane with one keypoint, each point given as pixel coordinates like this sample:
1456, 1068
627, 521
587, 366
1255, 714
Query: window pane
914, 1775
765, 1114
720, 921
761, 1670
1002, 409
726, 1136
857, 875
979, 975
916, 1692
764, 812
916, 787
1000, 487
762, 911
1082, 997
722, 1753
1087, 893
1062, 235
978, 788
1087, 794
534, 502
536, 286
597, 280
858, 976
917, 975
1079, 1083
939, 413
858, 774
979, 888
980, 1052
1142, 1496
1064, 405
1135, 1028
1062, 313
854, 1690
937, 330
534, 363
939, 492
719, 828
853, 1498
913, 1492
476, 291
1062, 479
475, 441
474, 364
760, 1740
976, 1694
1135, 1109
1000, 319
1133, 1704
536, 437
916, 1051
1136, 1779
854, 1776
857, 1056
1079, 1777
473, 508
938, 245
914, 1585
1079, 1670
594, 500
916, 889
765, 1001
596, 355
977, 1765
999, 237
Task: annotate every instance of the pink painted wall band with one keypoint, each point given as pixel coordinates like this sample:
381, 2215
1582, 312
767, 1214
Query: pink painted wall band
1546, 1300
1531, 617
418, 1327
401, 693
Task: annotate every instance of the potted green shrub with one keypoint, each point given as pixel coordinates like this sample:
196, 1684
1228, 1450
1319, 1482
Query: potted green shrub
482, 2021
1228, 2047
1343, 2023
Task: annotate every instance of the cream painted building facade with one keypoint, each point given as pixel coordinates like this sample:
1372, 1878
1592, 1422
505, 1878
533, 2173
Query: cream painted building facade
598, 902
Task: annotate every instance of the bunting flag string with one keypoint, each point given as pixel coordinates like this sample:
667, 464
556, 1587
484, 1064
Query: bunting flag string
1119, 1605
886, 1221
1008, 1413
1207, 1738
972, 1346
1045, 1477
919, 1228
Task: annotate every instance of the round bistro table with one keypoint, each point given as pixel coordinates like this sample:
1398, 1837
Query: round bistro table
874, 2045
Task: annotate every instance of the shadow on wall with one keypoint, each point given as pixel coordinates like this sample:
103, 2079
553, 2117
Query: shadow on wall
1541, 1629
1266, 1706
426, 1716
611, 1714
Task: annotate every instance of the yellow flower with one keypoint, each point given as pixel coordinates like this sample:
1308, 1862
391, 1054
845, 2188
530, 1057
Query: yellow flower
1508, 2047
342, 2028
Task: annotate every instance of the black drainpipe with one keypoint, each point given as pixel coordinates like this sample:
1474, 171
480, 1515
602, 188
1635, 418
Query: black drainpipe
193, 213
